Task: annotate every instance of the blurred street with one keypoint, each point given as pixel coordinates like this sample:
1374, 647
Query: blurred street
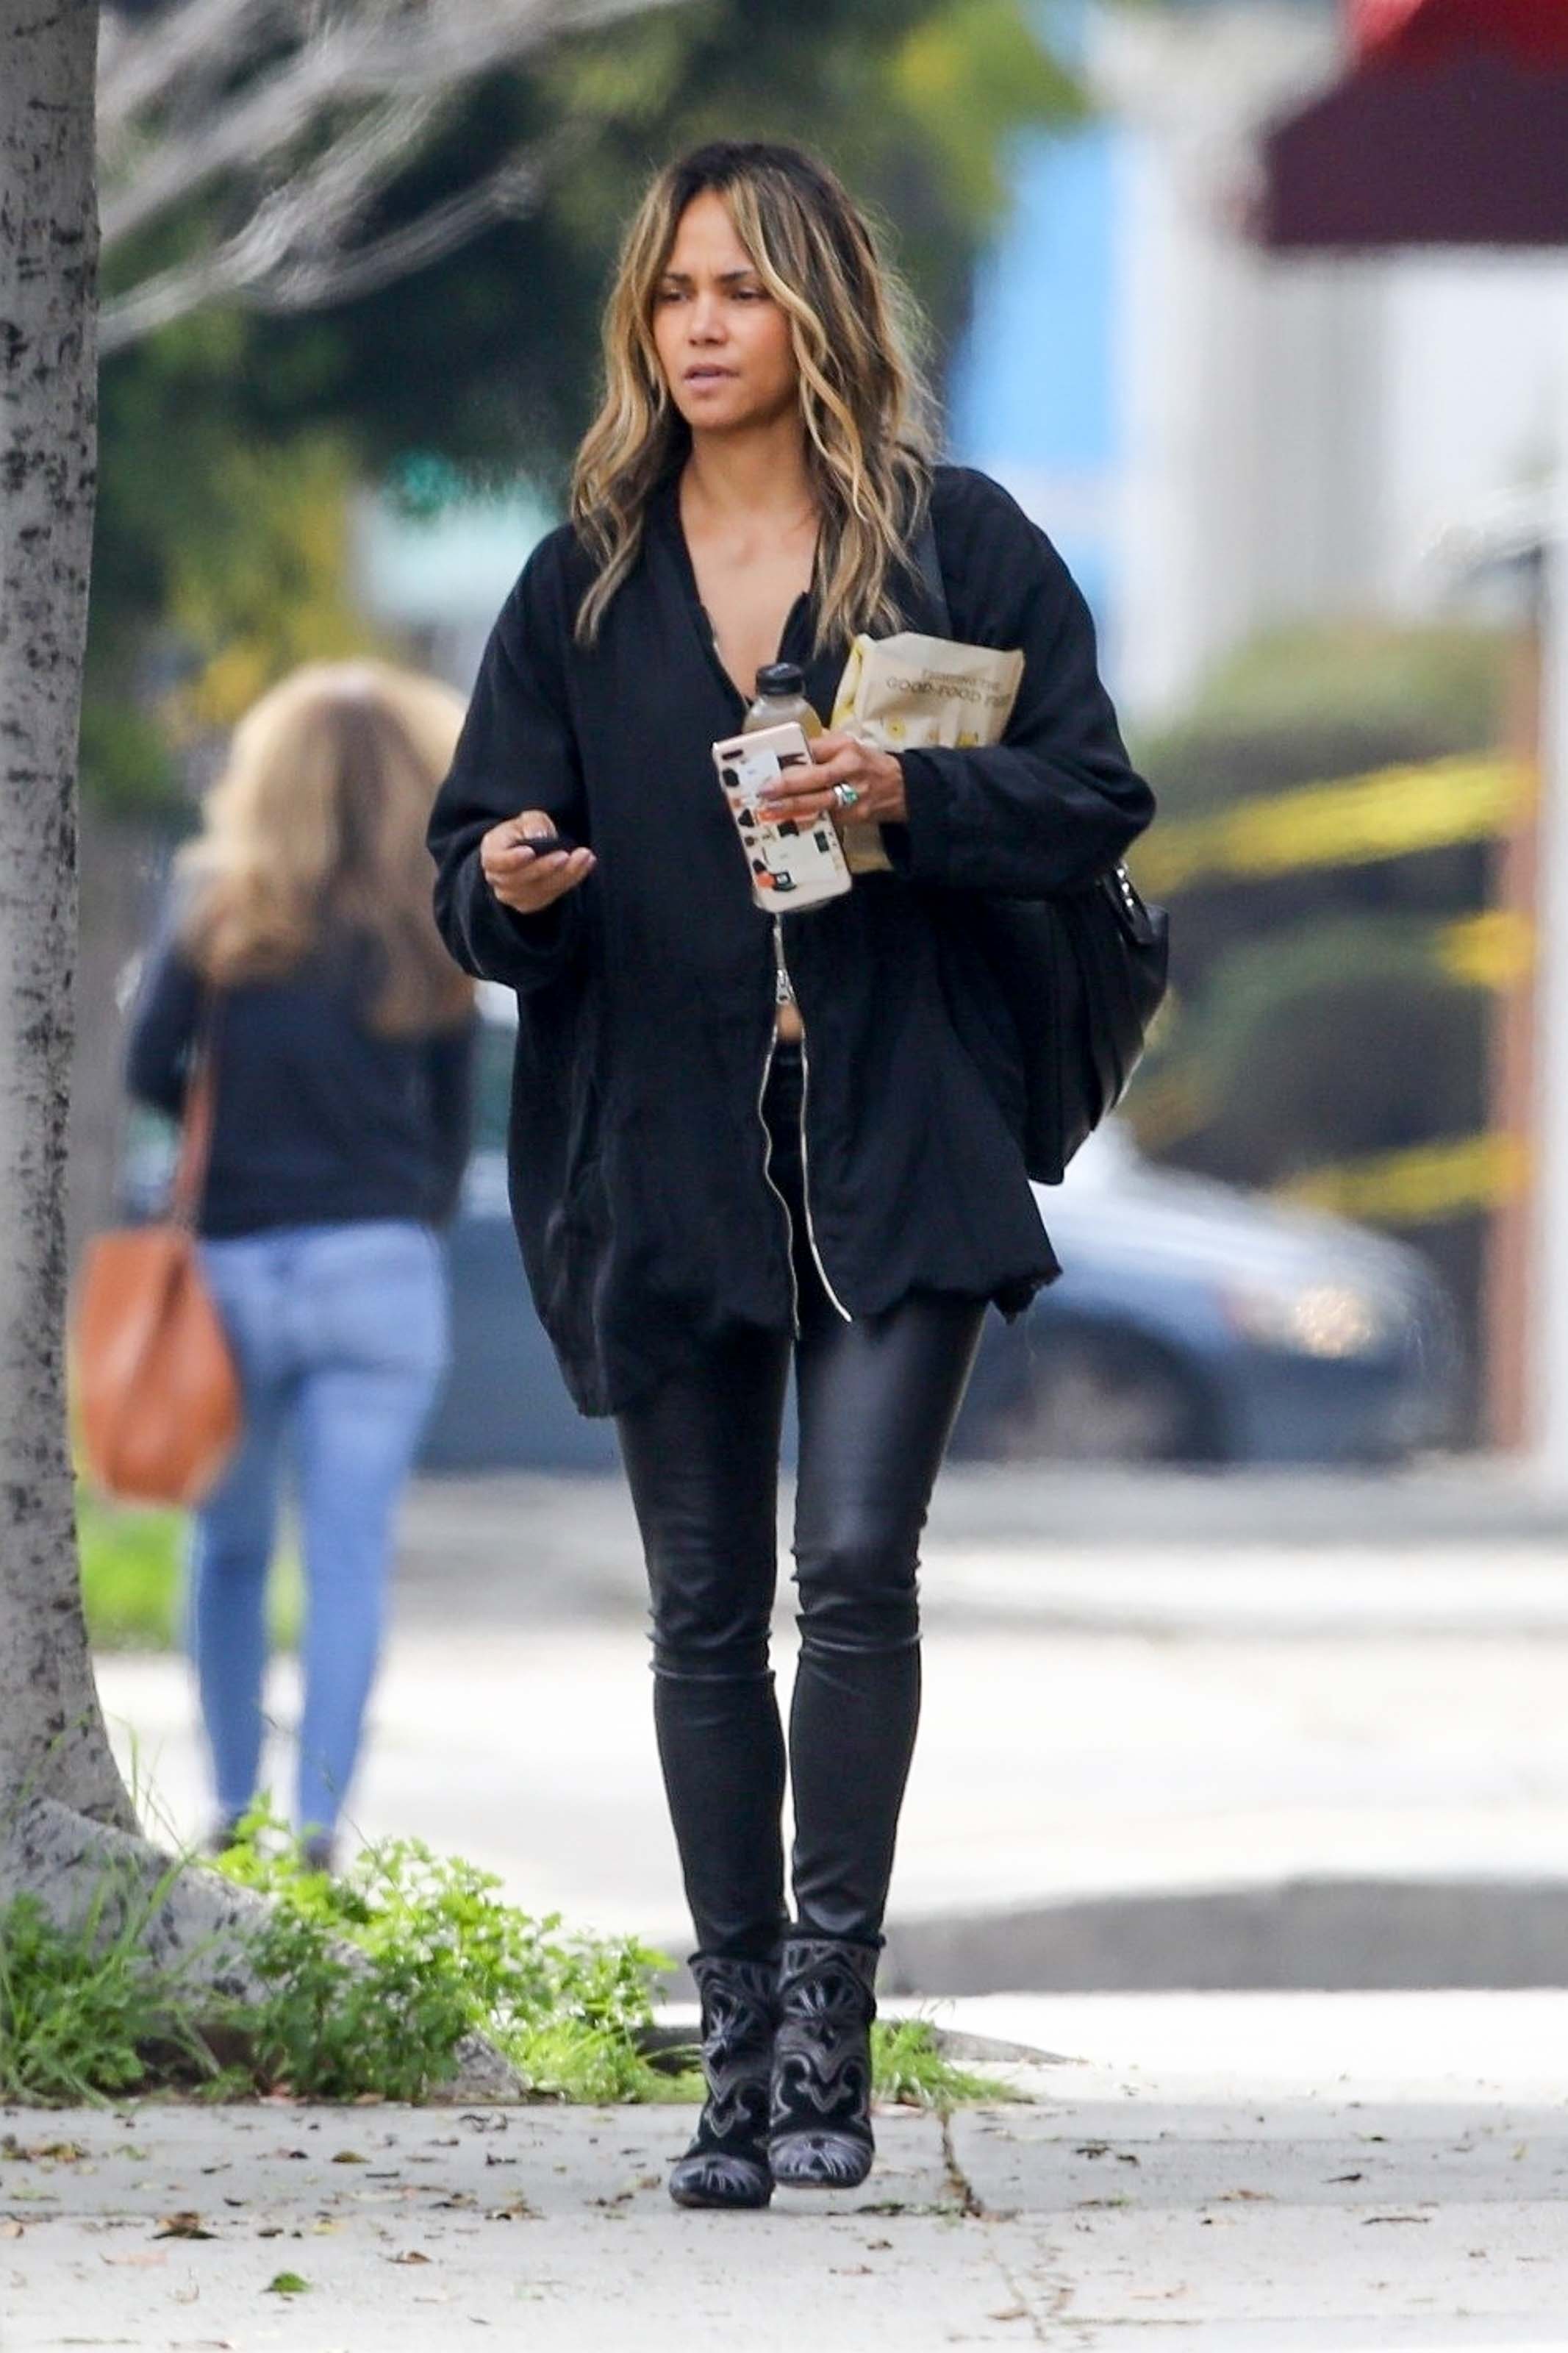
1177, 1731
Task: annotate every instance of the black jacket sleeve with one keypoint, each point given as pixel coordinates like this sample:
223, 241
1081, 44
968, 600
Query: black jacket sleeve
517, 751
1058, 801
164, 1027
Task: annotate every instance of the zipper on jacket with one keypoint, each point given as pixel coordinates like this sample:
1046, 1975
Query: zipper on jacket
786, 984
768, 1178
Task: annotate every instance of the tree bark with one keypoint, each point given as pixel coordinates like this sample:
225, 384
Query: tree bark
52, 1740
69, 1832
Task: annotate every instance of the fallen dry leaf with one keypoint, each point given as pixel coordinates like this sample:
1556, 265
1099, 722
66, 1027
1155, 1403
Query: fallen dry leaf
413, 2256
184, 2225
138, 2258
350, 2157
12, 2230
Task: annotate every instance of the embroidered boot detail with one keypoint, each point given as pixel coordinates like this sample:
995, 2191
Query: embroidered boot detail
727, 2163
821, 2104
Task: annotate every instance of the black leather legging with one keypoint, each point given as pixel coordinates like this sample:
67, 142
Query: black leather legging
877, 1400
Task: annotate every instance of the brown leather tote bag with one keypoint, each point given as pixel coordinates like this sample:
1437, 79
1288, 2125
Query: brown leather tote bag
157, 1394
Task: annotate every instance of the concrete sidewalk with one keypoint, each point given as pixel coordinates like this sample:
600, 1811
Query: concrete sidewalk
1309, 2174
1352, 1764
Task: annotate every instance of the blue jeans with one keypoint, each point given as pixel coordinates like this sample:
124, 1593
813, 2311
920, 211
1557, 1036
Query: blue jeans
340, 1332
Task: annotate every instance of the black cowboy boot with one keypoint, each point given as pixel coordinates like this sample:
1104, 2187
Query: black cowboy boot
820, 2114
727, 2164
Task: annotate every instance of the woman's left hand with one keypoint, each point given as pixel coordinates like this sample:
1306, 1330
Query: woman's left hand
873, 776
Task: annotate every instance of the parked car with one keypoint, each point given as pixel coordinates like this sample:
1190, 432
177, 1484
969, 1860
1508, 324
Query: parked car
1198, 1322
1194, 1322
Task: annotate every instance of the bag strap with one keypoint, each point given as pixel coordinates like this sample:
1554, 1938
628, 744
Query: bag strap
196, 1126
928, 567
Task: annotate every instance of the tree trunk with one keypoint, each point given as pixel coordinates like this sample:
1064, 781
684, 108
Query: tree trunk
52, 1741
68, 1829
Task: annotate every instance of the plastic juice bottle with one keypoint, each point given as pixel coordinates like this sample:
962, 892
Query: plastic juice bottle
782, 696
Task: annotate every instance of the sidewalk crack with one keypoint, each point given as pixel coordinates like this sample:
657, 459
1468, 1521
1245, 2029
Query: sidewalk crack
975, 2210
958, 2181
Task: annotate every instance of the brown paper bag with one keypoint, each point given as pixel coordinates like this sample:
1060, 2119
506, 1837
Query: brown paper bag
907, 691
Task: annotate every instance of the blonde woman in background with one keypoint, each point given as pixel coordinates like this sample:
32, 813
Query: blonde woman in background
299, 928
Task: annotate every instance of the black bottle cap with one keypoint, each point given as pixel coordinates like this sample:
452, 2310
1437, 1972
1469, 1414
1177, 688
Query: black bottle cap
779, 678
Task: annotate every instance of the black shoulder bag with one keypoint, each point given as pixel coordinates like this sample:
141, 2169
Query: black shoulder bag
1079, 977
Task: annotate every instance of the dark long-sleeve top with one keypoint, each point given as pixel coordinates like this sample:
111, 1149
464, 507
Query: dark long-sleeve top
647, 996
317, 1119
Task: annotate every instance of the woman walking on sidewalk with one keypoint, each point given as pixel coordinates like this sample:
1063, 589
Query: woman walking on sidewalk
697, 1204
299, 943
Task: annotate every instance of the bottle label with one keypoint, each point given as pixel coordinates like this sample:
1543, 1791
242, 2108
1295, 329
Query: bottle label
791, 866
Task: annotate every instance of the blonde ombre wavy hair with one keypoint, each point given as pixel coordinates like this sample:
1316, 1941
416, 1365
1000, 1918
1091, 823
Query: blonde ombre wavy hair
863, 402
315, 831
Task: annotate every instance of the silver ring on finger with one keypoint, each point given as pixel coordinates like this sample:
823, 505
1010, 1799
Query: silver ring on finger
845, 795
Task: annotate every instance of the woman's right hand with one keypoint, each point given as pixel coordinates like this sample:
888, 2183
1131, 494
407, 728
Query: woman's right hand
518, 876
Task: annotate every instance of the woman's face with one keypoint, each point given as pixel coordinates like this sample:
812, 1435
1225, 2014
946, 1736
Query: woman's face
722, 341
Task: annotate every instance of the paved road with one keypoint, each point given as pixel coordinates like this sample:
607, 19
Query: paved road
529, 1547
1348, 2174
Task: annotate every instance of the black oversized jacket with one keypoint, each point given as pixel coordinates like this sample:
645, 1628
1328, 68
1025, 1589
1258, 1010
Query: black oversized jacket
645, 997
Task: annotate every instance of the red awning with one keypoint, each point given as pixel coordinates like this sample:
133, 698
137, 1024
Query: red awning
1452, 131
1395, 30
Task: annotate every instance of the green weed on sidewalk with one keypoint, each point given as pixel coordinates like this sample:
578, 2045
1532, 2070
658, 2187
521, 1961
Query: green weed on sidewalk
371, 1981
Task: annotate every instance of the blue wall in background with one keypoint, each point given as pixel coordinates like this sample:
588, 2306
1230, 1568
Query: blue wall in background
1032, 395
